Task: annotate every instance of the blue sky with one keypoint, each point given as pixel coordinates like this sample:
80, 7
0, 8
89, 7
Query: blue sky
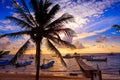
93, 21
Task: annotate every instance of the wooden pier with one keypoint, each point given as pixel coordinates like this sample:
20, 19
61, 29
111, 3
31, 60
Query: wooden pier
88, 71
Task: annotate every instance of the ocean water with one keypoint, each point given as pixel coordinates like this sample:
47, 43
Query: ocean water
58, 67
111, 66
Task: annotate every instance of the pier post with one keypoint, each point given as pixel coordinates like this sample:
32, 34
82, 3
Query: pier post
99, 72
119, 71
92, 75
99, 75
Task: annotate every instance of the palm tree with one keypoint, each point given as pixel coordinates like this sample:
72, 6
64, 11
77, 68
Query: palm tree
117, 27
2, 53
40, 27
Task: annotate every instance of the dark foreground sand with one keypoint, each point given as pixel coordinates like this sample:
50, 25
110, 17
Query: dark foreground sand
14, 76
9, 76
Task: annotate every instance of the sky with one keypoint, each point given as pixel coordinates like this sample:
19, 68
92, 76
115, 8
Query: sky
93, 25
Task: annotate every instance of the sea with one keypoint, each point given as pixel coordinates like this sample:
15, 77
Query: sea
111, 66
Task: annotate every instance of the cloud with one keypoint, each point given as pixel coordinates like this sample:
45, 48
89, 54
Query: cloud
3, 1
8, 27
89, 34
116, 37
101, 39
5, 21
113, 32
79, 45
101, 24
5, 25
12, 45
82, 10
4, 42
8, 7
107, 39
15, 14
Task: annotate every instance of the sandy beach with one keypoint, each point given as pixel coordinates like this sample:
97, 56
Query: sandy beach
52, 76
11, 76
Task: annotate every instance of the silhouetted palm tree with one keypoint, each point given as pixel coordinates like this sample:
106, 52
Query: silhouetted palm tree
40, 25
2, 53
117, 27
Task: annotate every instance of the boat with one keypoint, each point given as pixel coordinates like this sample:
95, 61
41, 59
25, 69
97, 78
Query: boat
4, 62
111, 54
23, 64
92, 59
47, 65
67, 56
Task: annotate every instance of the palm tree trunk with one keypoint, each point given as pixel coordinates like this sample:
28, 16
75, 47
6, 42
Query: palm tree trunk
37, 59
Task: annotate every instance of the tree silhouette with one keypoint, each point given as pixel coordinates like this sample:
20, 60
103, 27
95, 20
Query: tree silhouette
2, 53
117, 27
40, 25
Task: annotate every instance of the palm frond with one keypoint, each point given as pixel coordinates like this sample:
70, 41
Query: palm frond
54, 39
15, 4
41, 5
54, 10
61, 42
25, 6
15, 34
66, 43
52, 13
34, 5
20, 52
21, 23
53, 48
41, 15
47, 5
116, 26
4, 53
1, 52
22, 12
28, 11
59, 22
67, 31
